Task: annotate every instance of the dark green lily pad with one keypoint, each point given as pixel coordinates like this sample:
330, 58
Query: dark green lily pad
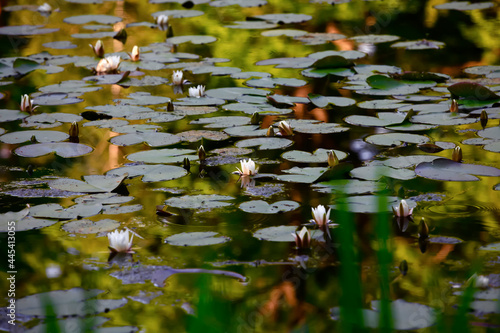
153, 139
196, 239
370, 204
273, 82
421, 44
284, 32
328, 101
92, 184
26, 30
67, 303
40, 136
472, 90
319, 156
197, 135
221, 122
193, 39
83, 19
262, 207
284, 234
465, 5
56, 211
284, 18
444, 169
150, 173
396, 139
22, 221
163, 156
318, 38
301, 175
63, 149
85, 226
349, 186
241, 3
266, 143
376, 172
201, 201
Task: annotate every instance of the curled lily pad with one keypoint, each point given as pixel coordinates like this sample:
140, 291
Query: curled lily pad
444, 169
150, 173
284, 234
196, 239
40, 136
92, 184
267, 143
85, 226
319, 156
63, 149
262, 207
201, 201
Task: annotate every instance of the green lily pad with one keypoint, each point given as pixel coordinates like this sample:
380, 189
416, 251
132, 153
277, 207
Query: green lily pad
67, 303
56, 211
251, 25
193, 39
10, 115
150, 173
196, 239
153, 139
164, 156
284, 32
374, 39
410, 161
201, 201
328, 101
378, 171
464, 5
266, 143
284, 18
262, 207
382, 119
48, 120
83, 19
421, 44
383, 104
301, 175
63, 149
273, 82
396, 139
90, 227
40, 136
197, 135
472, 90
92, 184
319, 156
349, 186
284, 234
22, 221
315, 127
234, 93
247, 130
444, 169
222, 121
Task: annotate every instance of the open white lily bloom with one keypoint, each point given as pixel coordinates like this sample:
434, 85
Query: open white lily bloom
108, 65
285, 128
98, 48
45, 8
402, 210
247, 168
136, 54
162, 22
321, 216
27, 104
120, 241
197, 91
302, 238
177, 78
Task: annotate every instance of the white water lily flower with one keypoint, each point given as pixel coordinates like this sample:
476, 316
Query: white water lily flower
482, 282
98, 48
45, 8
27, 104
302, 238
285, 128
197, 91
177, 78
108, 65
402, 210
247, 168
120, 241
136, 54
162, 22
321, 217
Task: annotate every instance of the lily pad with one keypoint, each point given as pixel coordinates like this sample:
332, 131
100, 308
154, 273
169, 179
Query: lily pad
153, 139
421, 44
26, 30
150, 173
63, 149
396, 139
92, 184
90, 227
382, 119
444, 169
56, 211
319, 156
197, 135
262, 207
196, 239
472, 90
465, 5
22, 221
284, 18
164, 156
40, 136
267, 143
201, 201
192, 39
10, 115
349, 186
103, 198
374, 39
222, 121
179, 13
301, 175
241, 3
376, 172
284, 234
328, 101
83, 19
273, 82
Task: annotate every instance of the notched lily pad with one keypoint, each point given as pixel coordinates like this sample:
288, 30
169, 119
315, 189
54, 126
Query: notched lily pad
444, 169
40, 136
262, 207
196, 239
63, 149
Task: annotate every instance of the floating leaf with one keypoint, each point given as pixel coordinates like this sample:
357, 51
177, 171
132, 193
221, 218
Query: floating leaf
349, 186
241, 3
63, 149
197, 135
273, 82
327, 101
265, 143
284, 234
396, 139
103, 198
222, 122
284, 18
56, 211
196, 239
22, 221
92, 184
150, 173
283, 32
262, 207
379, 171
40, 136
10, 115
26, 30
164, 156
153, 139
421, 44
90, 227
444, 169
464, 5
82, 19
319, 156
374, 39
301, 175
192, 39
472, 90
201, 201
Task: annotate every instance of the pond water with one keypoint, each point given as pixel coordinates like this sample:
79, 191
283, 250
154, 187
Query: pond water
396, 89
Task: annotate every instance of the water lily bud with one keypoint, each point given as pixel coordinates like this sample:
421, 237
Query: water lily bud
457, 154
302, 238
454, 106
333, 160
248, 168
403, 267
255, 118
73, 130
136, 54
201, 154
170, 106
121, 36
29, 170
33, 139
98, 49
45, 8
285, 128
423, 229
186, 164
483, 118
270, 131
27, 104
